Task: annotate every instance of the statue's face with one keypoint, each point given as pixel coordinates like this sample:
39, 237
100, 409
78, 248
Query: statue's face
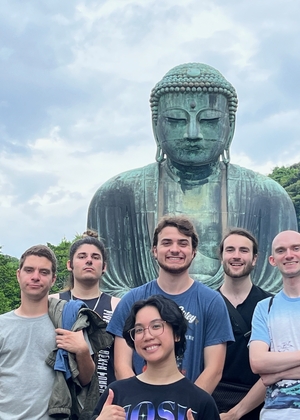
193, 128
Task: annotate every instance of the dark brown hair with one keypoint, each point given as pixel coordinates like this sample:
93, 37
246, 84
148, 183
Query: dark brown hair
182, 223
40, 251
241, 232
89, 237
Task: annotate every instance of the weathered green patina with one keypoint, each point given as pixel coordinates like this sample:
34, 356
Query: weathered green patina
193, 114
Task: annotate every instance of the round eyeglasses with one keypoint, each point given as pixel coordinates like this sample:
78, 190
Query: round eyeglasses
155, 329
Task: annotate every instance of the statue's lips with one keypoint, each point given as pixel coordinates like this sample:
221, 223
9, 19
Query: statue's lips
193, 147
197, 144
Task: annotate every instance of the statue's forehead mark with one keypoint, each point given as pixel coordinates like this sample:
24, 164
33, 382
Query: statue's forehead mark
192, 104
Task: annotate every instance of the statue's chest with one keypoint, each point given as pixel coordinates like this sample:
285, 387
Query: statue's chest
203, 204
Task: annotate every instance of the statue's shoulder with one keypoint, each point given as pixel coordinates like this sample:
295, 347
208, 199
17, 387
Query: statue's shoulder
131, 177
258, 181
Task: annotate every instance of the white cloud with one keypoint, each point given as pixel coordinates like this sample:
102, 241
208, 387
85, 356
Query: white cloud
76, 82
76, 177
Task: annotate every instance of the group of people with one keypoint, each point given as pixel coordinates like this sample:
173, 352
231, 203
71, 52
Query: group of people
181, 350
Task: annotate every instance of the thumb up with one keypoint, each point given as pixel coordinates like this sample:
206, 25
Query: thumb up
109, 398
111, 411
189, 414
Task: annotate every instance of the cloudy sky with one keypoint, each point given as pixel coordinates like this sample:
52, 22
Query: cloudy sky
74, 95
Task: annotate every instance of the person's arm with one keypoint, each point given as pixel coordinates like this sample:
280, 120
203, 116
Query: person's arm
122, 359
74, 342
214, 358
272, 378
253, 399
264, 361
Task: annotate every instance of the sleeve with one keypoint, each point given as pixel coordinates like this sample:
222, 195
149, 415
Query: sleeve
260, 329
116, 324
207, 407
120, 213
262, 206
218, 325
210, 412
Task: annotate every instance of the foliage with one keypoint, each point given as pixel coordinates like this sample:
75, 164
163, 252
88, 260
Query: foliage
289, 178
62, 254
9, 286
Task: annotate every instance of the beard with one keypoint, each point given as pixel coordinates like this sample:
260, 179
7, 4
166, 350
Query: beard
236, 275
175, 270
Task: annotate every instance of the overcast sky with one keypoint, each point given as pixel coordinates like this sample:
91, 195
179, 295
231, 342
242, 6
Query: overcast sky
74, 95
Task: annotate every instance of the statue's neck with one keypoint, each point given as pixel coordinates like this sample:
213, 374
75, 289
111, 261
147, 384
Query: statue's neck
192, 174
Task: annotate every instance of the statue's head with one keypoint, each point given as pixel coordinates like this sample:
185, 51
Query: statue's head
193, 114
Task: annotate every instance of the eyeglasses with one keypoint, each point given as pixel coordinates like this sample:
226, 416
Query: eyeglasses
155, 328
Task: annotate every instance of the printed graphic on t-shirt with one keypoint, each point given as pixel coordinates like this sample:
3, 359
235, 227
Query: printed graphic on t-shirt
188, 316
283, 394
107, 314
189, 337
169, 410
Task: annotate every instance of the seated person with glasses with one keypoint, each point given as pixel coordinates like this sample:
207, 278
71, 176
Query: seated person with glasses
156, 329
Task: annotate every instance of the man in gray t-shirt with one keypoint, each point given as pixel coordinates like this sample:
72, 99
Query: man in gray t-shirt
27, 336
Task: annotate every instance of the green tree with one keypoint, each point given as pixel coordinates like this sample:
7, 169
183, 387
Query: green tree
289, 178
9, 286
62, 254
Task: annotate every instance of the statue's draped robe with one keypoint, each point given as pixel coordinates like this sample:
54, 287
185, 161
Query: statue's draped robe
126, 209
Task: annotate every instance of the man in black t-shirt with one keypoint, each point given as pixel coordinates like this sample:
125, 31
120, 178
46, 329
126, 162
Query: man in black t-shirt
240, 393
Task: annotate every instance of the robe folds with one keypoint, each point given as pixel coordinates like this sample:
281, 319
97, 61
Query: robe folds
126, 209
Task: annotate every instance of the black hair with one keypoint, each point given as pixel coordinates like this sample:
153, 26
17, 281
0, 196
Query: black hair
169, 312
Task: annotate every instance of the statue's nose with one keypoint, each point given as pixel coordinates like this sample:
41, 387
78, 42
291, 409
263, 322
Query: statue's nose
193, 131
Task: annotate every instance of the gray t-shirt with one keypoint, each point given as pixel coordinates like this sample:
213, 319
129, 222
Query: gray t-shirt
25, 379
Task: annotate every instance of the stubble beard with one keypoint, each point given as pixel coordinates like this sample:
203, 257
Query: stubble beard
244, 273
175, 270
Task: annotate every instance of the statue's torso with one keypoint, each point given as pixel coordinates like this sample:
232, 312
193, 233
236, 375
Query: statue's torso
201, 201
126, 209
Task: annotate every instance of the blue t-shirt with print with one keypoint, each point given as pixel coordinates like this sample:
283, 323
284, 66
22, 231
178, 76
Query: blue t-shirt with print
205, 311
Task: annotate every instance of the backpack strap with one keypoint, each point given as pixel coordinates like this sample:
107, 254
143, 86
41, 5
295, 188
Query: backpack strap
270, 303
66, 295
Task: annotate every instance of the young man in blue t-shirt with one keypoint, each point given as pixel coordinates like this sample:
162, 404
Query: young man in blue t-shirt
275, 340
174, 247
